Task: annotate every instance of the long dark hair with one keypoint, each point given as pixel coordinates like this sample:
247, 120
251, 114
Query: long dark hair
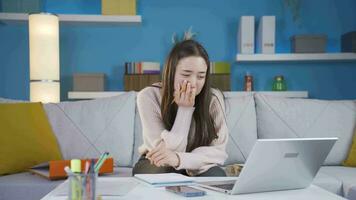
205, 131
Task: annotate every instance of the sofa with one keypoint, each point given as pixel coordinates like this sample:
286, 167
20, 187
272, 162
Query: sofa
86, 128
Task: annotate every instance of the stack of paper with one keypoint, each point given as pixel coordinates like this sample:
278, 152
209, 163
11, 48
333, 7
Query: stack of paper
166, 179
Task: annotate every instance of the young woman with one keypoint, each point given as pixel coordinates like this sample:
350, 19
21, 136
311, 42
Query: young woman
183, 118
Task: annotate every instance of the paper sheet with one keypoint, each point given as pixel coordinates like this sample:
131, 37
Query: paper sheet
165, 178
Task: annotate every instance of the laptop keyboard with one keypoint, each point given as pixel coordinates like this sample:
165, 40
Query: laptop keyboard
224, 186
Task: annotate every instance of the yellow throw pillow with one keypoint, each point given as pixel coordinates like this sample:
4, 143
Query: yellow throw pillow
351, 158
26, 137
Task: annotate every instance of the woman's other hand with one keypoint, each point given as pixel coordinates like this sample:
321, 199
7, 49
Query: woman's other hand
161, 156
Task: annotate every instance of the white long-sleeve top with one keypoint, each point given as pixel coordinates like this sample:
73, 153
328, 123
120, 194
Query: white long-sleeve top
200, 159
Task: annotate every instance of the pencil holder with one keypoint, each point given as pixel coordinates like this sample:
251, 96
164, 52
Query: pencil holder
82, 186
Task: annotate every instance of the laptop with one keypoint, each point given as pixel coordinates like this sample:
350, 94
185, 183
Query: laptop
278, 164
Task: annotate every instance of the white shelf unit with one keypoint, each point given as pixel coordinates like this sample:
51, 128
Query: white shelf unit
75, 19
296, 57
94, 95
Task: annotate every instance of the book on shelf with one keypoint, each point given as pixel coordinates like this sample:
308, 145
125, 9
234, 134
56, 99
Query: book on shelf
220, 68
165, 179
142, 68
54, 170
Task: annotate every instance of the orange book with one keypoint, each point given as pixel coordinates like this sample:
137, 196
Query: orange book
54, 170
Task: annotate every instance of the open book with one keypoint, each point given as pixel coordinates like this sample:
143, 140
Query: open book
166, 179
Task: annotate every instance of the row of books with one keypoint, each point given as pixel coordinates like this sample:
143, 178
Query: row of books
142, 68
220, 68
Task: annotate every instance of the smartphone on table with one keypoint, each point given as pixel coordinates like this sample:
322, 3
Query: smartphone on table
186, 191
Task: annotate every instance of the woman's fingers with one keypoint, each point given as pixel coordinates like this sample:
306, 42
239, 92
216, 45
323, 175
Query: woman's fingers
159, 159
188, 91
184, 86
192, 95
177, 89
154, 150
183, 94
149, 154
162, 162
154, 157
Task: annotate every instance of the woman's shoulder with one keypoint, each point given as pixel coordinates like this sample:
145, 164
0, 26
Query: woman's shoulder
217, 94
149, 92
217, 98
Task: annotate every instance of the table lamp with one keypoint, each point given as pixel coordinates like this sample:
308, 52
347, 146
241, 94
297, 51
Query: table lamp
44, 58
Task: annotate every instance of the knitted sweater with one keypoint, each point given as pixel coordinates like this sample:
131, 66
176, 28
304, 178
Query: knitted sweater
200, 159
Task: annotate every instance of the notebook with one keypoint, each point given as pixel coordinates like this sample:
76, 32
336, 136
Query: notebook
165, 179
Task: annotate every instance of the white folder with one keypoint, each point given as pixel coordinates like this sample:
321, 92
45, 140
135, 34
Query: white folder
266, 35
246, 35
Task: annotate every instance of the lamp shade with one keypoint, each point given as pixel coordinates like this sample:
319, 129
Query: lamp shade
44, 57
45, 92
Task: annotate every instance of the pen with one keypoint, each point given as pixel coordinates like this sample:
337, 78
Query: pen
101, 161
87, 165
68, 171
91, 181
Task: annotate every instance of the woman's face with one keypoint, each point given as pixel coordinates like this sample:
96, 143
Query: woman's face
193, 69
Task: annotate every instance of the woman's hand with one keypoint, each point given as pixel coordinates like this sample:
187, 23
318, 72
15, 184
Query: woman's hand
161, 156
184, 94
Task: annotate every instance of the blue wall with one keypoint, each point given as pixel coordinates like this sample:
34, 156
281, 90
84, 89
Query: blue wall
104, 48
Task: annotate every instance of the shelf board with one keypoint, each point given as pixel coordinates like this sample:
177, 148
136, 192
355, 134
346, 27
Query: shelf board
95, 95
296, 57
289, 94
75, 19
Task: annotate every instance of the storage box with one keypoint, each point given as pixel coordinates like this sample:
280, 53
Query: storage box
118, 7
348, 42
220, 81
21, 6
89, 82
137, 82
309, 43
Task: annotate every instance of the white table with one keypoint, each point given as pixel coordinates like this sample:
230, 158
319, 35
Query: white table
144, 191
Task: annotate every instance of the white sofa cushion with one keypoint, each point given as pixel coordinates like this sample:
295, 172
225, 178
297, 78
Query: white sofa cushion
287, 118
25, 186
138, 137
85, 129
241, 121
345, 174
328, 183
